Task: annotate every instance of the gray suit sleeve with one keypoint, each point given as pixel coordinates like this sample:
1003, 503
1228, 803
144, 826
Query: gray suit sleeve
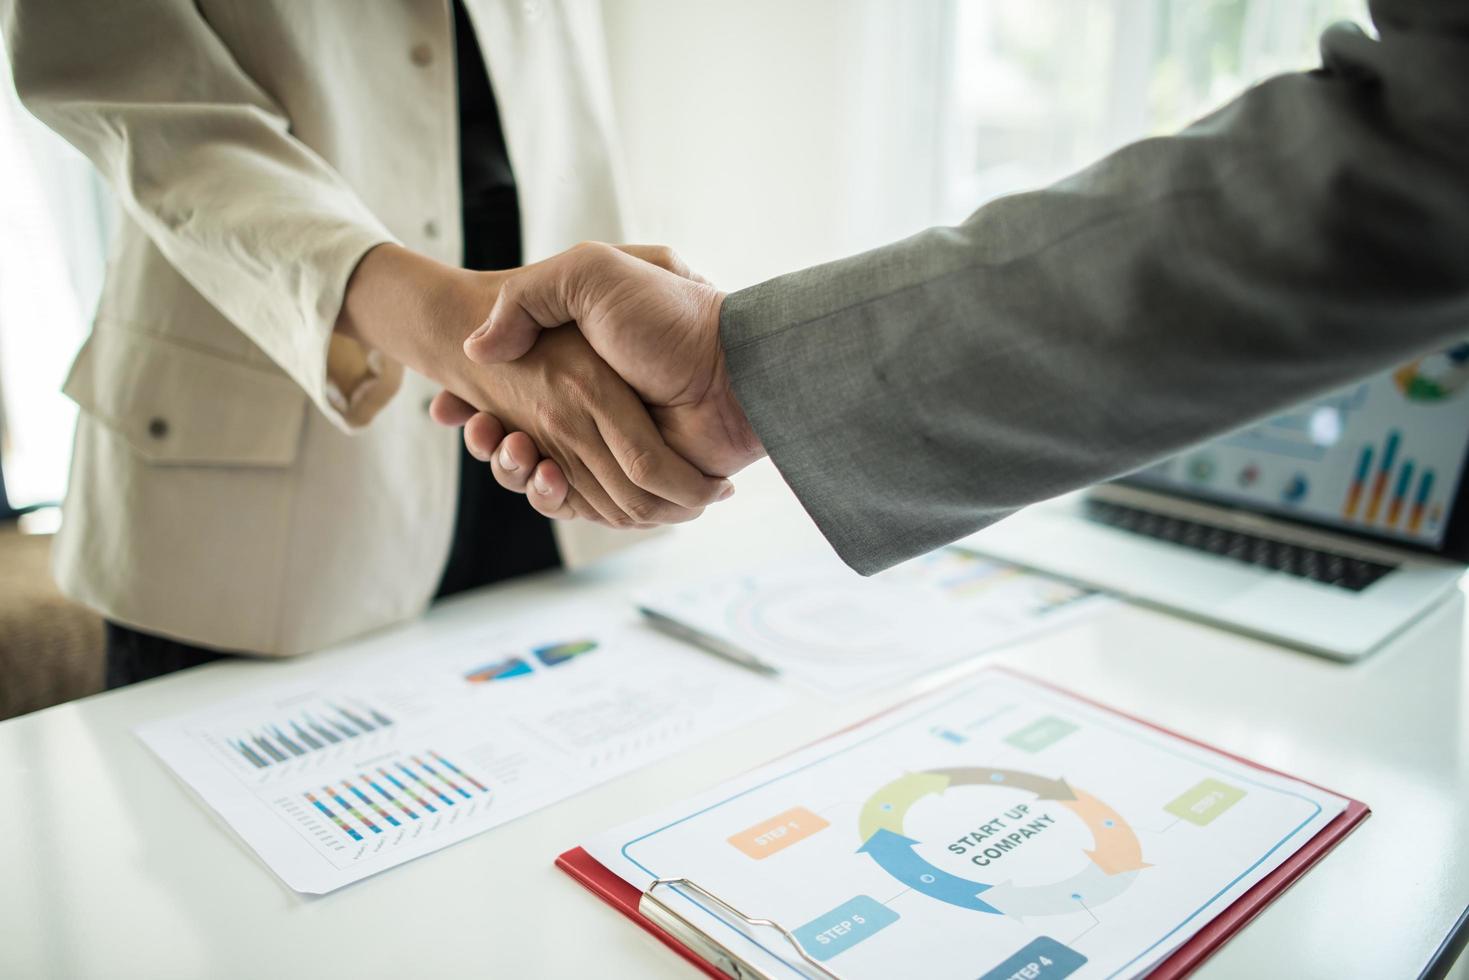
1311, 232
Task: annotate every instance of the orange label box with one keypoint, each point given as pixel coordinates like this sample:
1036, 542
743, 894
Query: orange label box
779, 832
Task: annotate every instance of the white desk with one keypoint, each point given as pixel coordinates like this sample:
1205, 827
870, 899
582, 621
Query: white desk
108, 868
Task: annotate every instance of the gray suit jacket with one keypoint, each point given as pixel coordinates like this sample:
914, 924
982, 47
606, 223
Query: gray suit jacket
1312, 231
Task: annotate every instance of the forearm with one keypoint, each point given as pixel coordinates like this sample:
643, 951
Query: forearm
414, 310
1308, 234
204, 161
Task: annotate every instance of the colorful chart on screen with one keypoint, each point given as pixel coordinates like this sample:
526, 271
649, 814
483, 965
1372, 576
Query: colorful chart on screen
973, 833
1382, 456
343, 774
840, 633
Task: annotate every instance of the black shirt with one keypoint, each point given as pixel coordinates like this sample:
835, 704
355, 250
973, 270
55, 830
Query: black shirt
491, 209
496, 534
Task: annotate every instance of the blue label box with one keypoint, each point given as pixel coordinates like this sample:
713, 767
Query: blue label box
844, 927
1039, 959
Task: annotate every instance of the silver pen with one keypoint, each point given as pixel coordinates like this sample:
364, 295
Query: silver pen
709, 644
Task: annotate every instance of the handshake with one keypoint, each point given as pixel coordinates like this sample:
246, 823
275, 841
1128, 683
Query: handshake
597, 387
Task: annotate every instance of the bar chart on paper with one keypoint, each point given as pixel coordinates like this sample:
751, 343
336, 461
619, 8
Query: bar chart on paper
308, 730
385, 803
340, 775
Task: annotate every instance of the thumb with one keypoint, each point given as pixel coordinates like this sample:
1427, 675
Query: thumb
538, 297
527, 303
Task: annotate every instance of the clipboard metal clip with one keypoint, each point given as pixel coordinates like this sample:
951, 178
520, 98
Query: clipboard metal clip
714, 952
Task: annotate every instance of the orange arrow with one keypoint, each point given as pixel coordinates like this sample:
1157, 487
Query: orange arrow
1117, 847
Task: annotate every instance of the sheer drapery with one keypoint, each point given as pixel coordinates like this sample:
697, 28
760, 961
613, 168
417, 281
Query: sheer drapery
1042, 88
54, 220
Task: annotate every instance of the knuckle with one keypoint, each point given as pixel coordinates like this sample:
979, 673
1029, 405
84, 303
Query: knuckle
648, 509
670, 260
642, 467
591, 251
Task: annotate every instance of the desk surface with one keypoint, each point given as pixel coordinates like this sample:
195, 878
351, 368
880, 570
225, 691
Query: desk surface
111, 868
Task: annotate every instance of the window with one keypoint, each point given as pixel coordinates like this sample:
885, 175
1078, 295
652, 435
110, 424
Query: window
1042, 88
52, 234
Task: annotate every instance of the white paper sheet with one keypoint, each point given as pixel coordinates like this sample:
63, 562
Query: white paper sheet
354, 771
984, 831
837, 633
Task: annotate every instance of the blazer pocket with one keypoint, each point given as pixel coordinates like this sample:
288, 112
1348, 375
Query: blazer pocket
180, 405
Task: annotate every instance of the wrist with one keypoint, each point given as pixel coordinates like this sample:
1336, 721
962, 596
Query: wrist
741, 436
415, 310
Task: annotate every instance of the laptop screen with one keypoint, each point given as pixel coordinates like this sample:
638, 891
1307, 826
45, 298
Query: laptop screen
1383, 457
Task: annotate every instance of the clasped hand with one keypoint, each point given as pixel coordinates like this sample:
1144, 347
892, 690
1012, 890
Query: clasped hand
652, 322
610, 462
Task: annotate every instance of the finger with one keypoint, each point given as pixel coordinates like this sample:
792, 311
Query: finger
514, 460
664, 258
449, 409
482, 433
588, 482
639, 506
646, 460
547, 294
582, 510
550, 494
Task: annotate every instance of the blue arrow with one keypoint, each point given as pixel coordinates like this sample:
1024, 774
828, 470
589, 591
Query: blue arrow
894, 854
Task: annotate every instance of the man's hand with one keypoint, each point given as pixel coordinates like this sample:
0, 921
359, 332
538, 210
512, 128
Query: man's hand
656, 325
575, 407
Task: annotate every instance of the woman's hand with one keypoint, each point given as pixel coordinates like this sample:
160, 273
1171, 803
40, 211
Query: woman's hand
652, 320
514, 458
583, 416
616, 467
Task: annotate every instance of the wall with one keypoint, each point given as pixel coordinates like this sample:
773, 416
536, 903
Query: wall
763, 136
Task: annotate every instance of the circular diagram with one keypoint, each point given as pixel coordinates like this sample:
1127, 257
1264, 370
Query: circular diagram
823, 620
1113, 862
1434, 378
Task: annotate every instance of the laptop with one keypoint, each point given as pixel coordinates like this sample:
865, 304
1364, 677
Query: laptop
1329, 528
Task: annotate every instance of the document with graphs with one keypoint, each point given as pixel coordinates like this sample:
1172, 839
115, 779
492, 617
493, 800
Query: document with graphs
823, 626
349, 772
998, 829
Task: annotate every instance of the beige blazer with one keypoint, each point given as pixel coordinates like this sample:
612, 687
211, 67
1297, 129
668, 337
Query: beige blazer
242, 478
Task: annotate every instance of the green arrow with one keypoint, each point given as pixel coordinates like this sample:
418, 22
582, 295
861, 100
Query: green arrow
884, 809
1043, 788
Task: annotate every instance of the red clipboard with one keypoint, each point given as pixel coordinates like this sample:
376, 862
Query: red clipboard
625, 898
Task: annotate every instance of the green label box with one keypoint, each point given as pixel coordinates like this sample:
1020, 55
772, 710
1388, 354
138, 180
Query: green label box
1040, 733
1205, 801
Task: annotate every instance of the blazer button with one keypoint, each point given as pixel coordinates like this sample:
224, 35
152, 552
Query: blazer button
422, 55
431, 229
157, 428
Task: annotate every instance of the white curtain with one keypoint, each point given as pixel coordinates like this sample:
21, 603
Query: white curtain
1044, 87
53, 229
767, 135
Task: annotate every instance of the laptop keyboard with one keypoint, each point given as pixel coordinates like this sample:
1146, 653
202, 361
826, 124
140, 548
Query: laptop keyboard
1329, 567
